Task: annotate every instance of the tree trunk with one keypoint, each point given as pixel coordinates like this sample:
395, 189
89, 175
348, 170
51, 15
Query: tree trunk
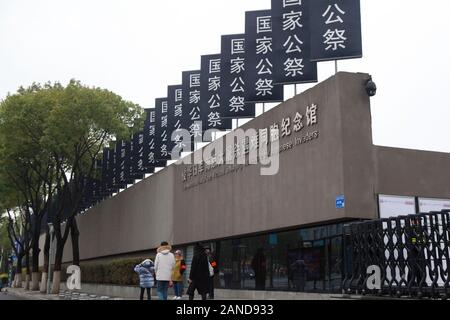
75, 235
44, 278
57, 269
27, 268
56, 282
18, 276
35, 259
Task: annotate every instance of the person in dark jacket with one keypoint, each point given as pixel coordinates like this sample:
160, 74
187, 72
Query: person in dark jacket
213, 262
199, 275
146, 271
259, 267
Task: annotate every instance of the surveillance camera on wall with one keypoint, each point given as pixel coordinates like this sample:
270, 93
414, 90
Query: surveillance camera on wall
371, 88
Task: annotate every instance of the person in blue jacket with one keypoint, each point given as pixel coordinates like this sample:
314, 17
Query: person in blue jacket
146, 271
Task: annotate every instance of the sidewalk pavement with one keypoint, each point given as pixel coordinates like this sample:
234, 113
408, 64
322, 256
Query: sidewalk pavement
63, 295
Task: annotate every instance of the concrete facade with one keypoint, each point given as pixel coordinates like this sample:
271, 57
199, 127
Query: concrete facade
336, 157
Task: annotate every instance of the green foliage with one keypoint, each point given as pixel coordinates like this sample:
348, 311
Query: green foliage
119, 272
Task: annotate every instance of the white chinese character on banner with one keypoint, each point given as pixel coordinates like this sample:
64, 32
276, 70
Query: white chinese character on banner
286, 127
164, 106
213, 84
334, 39
293, 67
237, 46
195, 130
164, 152
164, 136
292, 20
177, 124
178, 95
237, 65
195, 114
293, 44
298, 122
214, 101
288, 3
164, 120
194, 80
237, 85
194, 97
214, 119
214, 66
263, 45
264, 67
237, 104
152, 116
178, 110
311, 115
263, 24
332, 16
264, 87
274, 132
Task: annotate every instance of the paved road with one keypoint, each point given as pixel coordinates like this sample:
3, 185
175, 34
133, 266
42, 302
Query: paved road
5, 296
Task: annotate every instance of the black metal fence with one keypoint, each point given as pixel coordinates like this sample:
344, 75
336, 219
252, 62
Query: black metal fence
412, 252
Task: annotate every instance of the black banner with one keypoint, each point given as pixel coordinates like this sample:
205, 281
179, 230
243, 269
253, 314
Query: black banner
151, 144
292, 42
211, 107
162, 134
335, 30
107, 171
177, 120
121, 158
259, 59
233, 84
137, 151
191, 101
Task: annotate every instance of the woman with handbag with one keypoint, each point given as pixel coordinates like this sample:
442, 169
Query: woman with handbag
200, 273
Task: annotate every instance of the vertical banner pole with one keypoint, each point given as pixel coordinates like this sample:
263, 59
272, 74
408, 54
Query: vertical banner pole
335, 66
295, 89
264, 108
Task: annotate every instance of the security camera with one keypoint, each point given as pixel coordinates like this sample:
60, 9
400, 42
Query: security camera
371, 87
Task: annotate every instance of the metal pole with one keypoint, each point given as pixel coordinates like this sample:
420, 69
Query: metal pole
264, 108
295, 89
335, 66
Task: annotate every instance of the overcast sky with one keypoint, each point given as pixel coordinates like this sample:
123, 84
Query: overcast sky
138, 47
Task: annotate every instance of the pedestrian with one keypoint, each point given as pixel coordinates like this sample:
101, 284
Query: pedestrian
200, 273
259, 267
164, 264
213, 262
177, 275
146, 271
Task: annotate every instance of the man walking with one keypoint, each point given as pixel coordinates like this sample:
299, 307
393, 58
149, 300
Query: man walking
164, 264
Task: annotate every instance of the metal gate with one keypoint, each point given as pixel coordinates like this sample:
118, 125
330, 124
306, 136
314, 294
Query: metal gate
410, 253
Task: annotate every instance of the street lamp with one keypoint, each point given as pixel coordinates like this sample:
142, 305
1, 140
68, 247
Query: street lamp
50, 254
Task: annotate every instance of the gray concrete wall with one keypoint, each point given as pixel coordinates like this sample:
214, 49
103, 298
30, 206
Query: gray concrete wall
341, 161
311, 176
412, 173
135, 220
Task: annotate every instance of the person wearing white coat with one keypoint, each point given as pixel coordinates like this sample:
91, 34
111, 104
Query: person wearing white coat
164, 264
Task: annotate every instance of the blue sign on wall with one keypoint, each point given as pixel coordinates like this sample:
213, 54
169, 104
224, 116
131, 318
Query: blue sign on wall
340, 202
